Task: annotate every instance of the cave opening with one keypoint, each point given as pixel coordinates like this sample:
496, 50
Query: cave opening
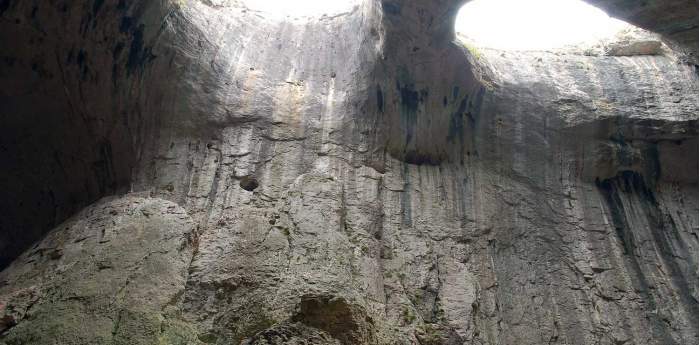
534, 24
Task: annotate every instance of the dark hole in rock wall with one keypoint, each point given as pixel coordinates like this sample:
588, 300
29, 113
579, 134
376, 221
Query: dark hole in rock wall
248, 183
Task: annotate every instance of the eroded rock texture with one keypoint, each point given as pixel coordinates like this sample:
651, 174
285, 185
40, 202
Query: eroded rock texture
675, 19
110, 274
357, 178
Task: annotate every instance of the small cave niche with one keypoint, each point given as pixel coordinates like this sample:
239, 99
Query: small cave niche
249, 183
343, 320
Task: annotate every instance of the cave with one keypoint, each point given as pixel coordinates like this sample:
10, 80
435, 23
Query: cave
254, 172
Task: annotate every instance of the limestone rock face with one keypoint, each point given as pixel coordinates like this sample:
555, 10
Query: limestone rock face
354, 178
675, 19
630, 41
111, 274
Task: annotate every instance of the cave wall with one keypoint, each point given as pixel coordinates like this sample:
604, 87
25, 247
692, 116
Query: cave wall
676, 20
73, 106
359, 178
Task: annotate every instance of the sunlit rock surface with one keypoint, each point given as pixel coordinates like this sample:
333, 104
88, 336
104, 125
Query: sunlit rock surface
676, 20
360, 178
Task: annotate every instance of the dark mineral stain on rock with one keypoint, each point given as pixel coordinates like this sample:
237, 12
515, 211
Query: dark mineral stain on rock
138, 54
96, 6
457, 123
4, 5
392, 8
380, 99
419, 158
409, 97
117, 50
126, 24
409, 100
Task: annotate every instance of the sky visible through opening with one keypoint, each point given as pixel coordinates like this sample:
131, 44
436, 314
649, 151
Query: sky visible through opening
534, 24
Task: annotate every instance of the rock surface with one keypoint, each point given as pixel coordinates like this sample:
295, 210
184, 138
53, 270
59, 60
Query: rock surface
111, 274
676, 20
356, 178
630, 41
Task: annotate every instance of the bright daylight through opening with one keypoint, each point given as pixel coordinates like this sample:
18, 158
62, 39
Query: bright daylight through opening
300, 8
534, 24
